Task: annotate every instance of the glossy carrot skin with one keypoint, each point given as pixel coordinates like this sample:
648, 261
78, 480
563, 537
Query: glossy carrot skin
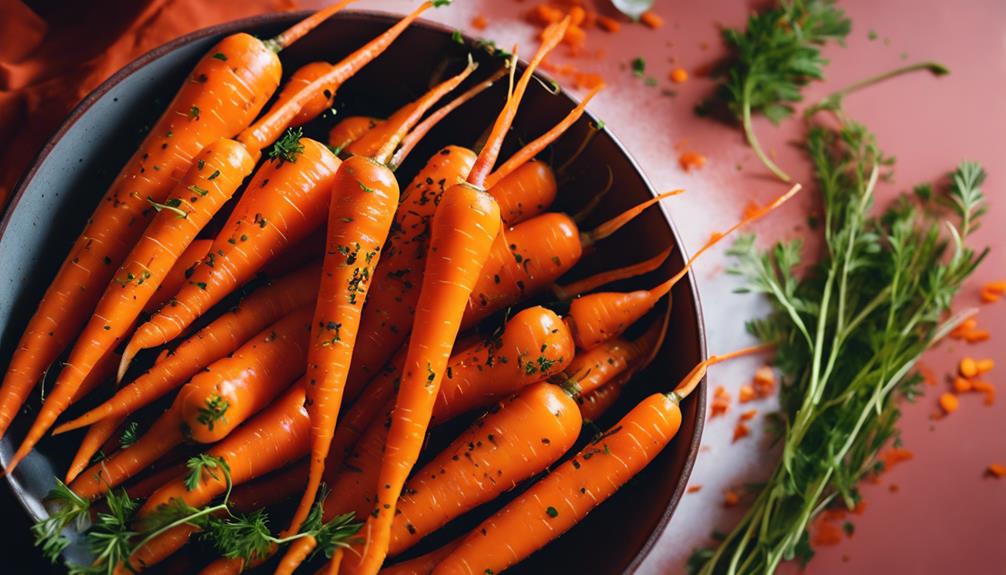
565, 496
349, 130
528, 432
246, 381
214, 342
594, 404
299, 80
525, 192
241, 86
462, 233
283, 203
387, 318
422, 565
364, 199
601, 316
181, 271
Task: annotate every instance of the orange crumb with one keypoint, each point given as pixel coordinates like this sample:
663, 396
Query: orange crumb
691, 160
968, 367
988, 296
741, 430
997, 287
894, 488
608, 24
860, 507
996, 470
966, 326
764, 381
949, 402
679, 75
587, 80
895, 455
730, 498
826, 533
749, 415
694, 488
575, 36
977, 335
721, 401
544, 14
651, 20
746, 394
751, 209
962, 385
577, 16
480, 22
985, 365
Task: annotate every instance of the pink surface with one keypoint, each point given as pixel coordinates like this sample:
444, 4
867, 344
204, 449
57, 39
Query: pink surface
946, 516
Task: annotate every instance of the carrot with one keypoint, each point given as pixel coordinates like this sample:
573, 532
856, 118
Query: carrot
593, 282
364, 200
349, 130
267, 129
213, 403
565, 496
175, 278
219, 170
423, 128
598, 317
283, 427
528, 152
282, 204
593, 405
380, 142
422, 565
239, 70
214, 342
525, 192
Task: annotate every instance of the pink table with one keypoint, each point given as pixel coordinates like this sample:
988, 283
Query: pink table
945, 516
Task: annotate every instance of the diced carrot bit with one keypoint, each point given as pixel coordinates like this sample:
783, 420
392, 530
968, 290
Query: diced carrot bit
998, 287
746, 394
949, 403
988, 296
545, 14
996, 470
962, 385
985, 365
576, 16
575, 36
968, 367
837, 514
730, 498
764, 381
691, 160
977, 335
480, 22
651, 20
679, 75
608, 24
860, 507
749, 415
694, 488
895, 455
587, 80
741, 430
961, 331
826, 533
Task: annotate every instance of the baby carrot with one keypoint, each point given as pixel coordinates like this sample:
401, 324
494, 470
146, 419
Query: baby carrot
175, 278
349, 130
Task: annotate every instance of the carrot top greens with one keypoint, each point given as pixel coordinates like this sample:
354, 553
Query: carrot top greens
287, 148
848, 335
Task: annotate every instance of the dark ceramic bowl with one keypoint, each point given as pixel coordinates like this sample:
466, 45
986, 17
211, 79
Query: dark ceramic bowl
75, 167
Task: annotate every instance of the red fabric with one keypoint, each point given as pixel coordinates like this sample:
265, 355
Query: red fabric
55, 52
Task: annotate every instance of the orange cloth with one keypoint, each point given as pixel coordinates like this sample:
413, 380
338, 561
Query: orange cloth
55, 52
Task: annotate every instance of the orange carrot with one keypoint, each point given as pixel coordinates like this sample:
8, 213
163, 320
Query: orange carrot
267, 129
525, 192
218, 171
364, 200
175, 278
214, 342
349, 130
239, 70
606, 277
283, 203
565, 496
213, 403
422, 565
599, 317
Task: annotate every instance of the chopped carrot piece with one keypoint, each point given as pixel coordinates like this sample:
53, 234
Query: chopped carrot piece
968, 367
986, 388
587, 80
989, 296
966, 326
691, 160
764, 381
480, 22
721, 401
608, 24
651, 20
949, 402
577, 16
746, 394
679, 75
962, 385
998, 287
730, 498
575, 36
749, 415
741, 430
894, 456
977, 335
694, 488
985, 365
826, 533
544, 14
860, 507
996, 470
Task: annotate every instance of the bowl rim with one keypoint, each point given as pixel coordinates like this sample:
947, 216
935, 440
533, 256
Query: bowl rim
241, 24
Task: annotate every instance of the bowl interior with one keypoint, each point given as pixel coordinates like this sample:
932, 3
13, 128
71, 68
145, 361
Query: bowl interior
61, 189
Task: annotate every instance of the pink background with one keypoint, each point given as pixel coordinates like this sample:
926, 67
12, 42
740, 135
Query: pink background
946, 516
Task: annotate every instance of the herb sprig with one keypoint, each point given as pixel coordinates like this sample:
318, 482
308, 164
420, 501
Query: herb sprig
287, 148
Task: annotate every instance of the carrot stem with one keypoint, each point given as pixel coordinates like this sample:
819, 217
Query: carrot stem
614, 224
595, 281
301, 28
691, 381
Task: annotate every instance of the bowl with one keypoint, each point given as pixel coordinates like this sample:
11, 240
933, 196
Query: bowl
75, 167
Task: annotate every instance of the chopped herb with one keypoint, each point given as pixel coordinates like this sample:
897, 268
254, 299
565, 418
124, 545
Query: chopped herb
552, 512
194, 113
214, 175
638, 67
129, 434
214, 411
288, 147
220, 56
457, 37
